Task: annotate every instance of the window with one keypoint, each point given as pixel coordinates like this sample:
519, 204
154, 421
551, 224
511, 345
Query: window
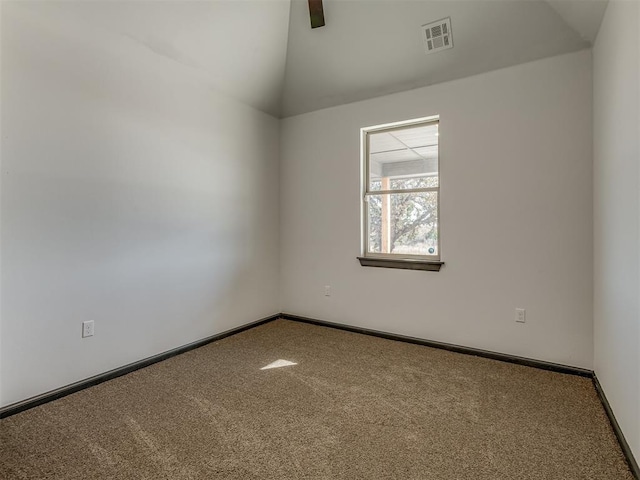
401, 194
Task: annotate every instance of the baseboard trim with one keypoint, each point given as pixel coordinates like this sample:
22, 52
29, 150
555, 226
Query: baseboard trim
118, 372
529, 362
626, 449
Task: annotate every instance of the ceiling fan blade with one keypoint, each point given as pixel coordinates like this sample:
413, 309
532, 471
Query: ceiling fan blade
316, 12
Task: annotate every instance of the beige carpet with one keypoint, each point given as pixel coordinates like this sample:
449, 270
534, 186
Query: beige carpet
354, 407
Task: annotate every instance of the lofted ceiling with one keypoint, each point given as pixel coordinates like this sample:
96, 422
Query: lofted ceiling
584, 16
372, 48
237, 46
264, 53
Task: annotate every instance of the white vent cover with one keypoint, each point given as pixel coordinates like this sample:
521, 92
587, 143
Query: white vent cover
437, 35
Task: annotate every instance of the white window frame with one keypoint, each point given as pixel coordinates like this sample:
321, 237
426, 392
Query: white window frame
366, 192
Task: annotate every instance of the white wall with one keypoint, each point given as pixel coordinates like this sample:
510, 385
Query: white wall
516, 214
617, 214
133, 195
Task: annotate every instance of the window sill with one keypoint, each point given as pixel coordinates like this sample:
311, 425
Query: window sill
428, 265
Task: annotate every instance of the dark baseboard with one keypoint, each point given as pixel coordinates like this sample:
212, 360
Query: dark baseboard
626, 450
529, 362
118, 372
554, 367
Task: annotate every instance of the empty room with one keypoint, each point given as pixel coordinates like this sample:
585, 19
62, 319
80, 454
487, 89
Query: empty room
320, 239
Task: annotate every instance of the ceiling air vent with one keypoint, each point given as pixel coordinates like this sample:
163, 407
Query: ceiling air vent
437, 35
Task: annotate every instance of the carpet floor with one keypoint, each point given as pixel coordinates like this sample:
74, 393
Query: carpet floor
352, 406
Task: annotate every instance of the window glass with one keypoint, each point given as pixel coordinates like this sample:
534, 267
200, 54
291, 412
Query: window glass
402, 190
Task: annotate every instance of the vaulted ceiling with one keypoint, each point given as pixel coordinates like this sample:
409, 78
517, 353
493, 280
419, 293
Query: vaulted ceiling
374, 47
264, 53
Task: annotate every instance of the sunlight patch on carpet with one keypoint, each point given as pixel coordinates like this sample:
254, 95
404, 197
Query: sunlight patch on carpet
278, 364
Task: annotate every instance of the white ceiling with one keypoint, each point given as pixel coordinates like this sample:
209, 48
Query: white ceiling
584, 16
404, 152
373, 47
264, 53
237, 46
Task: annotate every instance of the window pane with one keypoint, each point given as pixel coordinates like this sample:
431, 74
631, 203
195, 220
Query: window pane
409, 183
403, 223
403, 157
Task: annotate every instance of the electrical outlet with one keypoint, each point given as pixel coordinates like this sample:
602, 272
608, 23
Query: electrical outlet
327, 290
87, 329
520, 315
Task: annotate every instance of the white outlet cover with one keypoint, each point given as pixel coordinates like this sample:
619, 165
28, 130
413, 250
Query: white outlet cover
87, 328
